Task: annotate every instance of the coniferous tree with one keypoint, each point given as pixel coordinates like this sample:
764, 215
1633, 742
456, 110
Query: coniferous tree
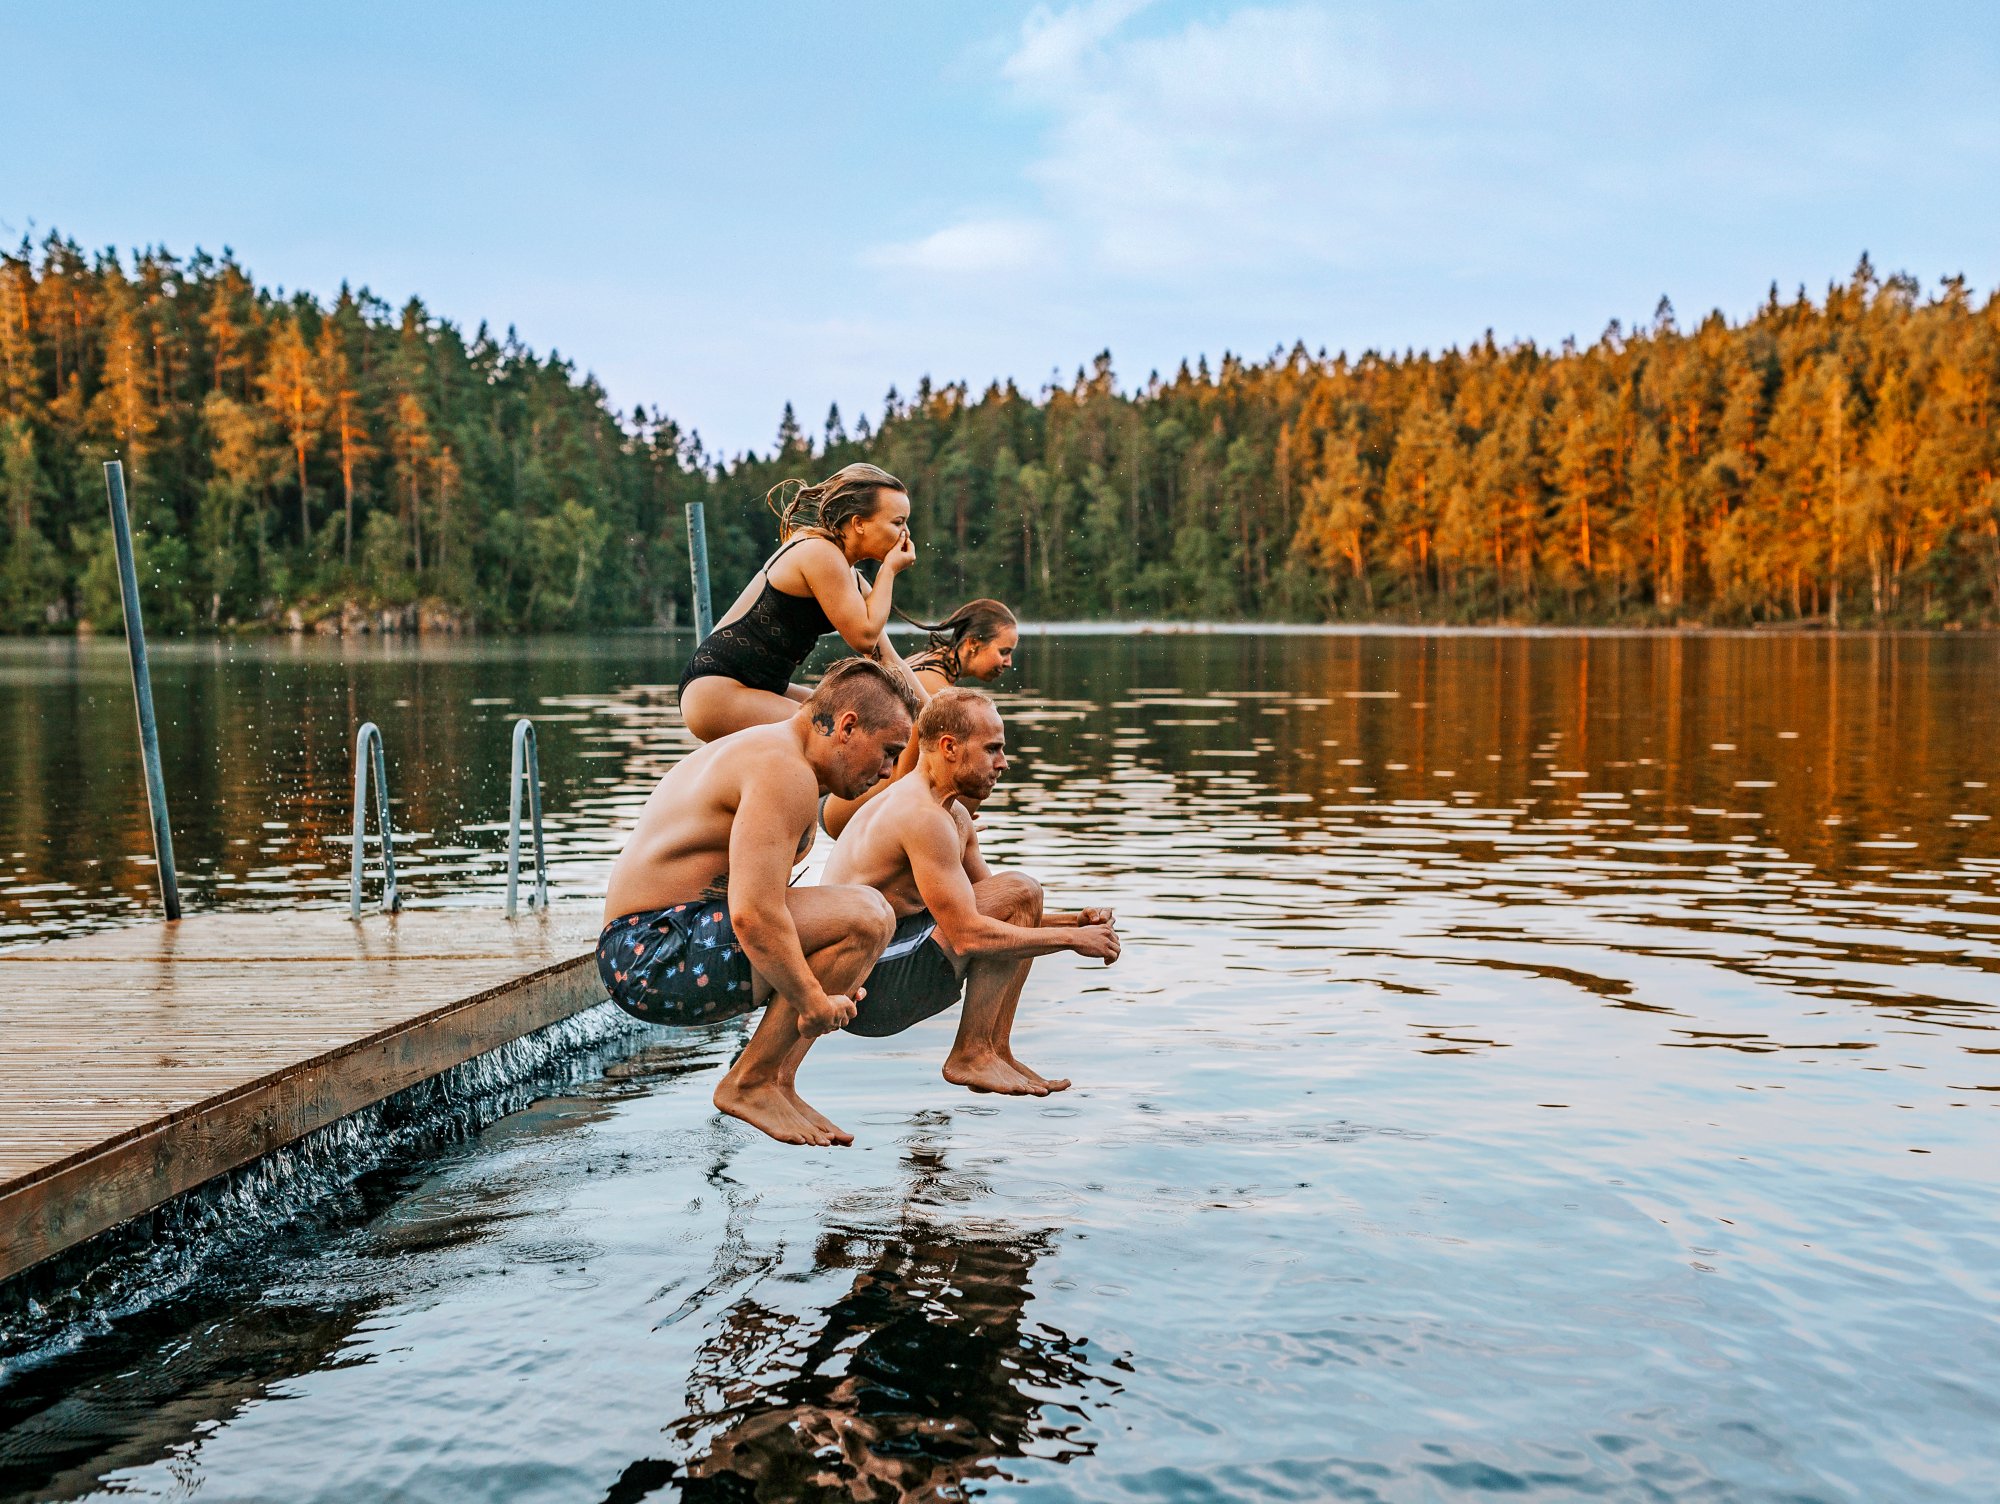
1834, 461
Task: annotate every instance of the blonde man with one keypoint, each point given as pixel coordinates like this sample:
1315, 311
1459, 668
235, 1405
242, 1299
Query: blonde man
961, 929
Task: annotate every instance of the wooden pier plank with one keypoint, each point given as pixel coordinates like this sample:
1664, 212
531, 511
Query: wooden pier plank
138, 1063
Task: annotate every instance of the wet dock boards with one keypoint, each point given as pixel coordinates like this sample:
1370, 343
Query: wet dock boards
137, 1063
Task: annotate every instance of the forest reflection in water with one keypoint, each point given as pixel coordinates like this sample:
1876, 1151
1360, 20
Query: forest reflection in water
1857, 757
1555, 1065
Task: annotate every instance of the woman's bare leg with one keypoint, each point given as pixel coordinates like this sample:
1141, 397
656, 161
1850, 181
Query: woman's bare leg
713, 707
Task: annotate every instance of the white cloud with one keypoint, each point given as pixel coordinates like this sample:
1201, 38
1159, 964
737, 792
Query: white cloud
1055, 44
972, 247
1224, 145
1234, 174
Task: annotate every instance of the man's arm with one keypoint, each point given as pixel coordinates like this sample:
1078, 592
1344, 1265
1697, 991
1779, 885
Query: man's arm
977, 871
1080, 917
771, 813
973, 860
939, 861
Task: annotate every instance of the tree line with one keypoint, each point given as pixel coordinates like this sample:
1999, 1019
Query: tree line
290, 460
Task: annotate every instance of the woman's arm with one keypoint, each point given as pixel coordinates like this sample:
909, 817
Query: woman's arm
862, 621
889, 658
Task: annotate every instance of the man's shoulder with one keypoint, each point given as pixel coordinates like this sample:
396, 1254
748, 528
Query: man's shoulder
756, 758
910, 816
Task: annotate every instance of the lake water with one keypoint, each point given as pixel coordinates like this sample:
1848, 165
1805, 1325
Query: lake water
1557, 1067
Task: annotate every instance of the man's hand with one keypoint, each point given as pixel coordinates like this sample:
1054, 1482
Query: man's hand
1097, 916
832, 1012
1097, 941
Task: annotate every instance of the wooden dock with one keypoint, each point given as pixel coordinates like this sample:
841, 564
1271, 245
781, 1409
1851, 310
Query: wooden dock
137, 1063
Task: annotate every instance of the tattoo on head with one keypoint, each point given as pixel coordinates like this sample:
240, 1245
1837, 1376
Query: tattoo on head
823, 723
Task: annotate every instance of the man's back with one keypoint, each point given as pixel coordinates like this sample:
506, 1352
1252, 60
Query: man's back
873, 849
680, 846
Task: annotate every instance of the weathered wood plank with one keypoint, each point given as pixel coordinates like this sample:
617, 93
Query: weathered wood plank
136, 1064
307, 934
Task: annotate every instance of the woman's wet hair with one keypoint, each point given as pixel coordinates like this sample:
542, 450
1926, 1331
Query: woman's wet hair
852, 492
974, 622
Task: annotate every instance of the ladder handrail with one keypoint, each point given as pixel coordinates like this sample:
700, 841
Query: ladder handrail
367, 741
528, 765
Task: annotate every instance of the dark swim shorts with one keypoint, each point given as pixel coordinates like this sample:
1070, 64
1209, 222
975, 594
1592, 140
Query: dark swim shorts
912, 981
680, 965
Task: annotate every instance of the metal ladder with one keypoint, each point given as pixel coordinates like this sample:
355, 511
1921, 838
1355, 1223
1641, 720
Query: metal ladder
526, 772
528, 766
367, 755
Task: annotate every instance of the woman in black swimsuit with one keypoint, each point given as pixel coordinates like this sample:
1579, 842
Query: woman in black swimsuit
976, 641
741, 673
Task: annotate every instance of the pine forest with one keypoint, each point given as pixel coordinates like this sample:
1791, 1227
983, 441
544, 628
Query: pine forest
308, 464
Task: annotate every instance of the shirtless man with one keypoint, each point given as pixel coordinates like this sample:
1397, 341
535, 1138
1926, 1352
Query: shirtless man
960, 927
700, 924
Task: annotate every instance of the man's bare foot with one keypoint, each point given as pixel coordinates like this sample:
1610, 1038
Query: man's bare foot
990, 1073
834, 1132
768, 1110
1061, 1084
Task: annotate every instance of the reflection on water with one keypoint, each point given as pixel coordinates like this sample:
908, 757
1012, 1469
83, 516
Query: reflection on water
94, 1413
1548, 1065
920, 1378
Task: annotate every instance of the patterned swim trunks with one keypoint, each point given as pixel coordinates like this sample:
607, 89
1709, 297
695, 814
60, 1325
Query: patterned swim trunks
679, 966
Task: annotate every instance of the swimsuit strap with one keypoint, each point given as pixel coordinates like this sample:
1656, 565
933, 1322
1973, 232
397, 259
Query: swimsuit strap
786, 548
764, 646
936, 660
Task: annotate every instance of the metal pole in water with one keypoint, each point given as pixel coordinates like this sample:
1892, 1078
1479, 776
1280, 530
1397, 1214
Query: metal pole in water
142, 689
704, 618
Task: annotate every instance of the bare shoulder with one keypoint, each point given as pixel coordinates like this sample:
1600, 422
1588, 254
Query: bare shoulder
817, 558
765, 763
918, 820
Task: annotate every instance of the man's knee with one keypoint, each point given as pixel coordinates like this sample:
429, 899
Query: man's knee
874, 919
1023, 895
1031, 892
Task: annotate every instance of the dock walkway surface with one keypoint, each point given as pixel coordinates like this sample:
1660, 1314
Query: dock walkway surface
137, 1063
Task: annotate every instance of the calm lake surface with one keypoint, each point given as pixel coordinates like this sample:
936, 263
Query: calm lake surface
1557, 1067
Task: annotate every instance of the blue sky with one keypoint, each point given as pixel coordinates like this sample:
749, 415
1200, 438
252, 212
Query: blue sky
720, 208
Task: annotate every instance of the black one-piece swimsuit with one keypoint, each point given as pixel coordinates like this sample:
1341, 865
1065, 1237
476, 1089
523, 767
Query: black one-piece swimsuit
764, 646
